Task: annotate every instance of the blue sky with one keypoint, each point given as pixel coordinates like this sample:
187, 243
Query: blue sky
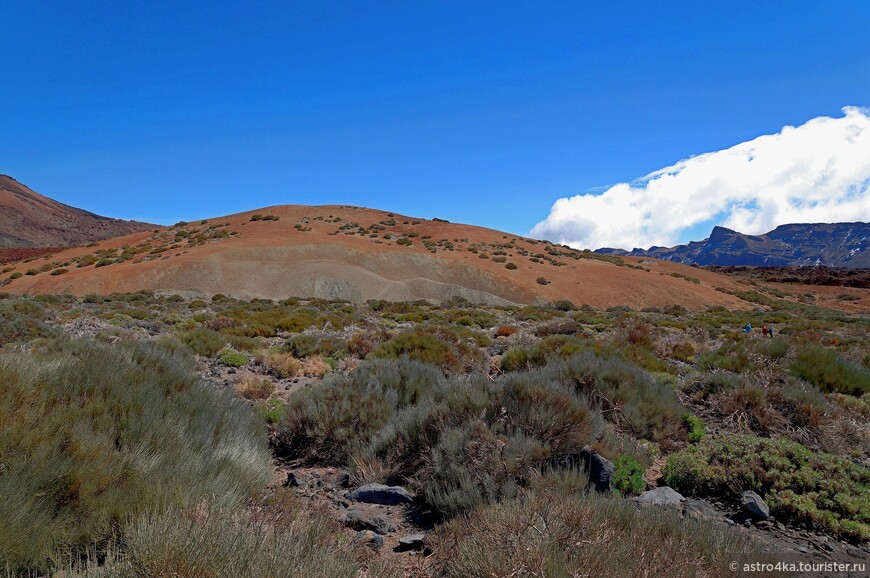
479, 112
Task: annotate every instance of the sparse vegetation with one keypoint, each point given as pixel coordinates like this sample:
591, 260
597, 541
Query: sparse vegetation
463, 405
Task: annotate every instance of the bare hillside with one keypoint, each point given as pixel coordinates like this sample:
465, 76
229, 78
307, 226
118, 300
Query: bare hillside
28, 219
351, 253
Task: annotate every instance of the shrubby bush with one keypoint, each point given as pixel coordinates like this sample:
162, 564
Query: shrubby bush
433, 344
730, 357
22, 321
232, 358
696, 427
203, 341
543, 351
773, 348
254, 388
331, 420
798, 484
119, 430
208, 542
828, 370
628, 476
281, 364
469, 440
628, 395
707, 384
304, 345
650, 541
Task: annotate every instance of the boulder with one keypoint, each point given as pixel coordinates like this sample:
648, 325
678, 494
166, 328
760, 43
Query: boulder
410, 542
381, 494
754, 505
701, 509
344, 480
291, 481
663, 496
359, 521
371, 539
599, 468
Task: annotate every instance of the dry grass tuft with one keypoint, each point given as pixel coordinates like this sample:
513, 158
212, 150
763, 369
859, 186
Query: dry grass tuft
254, 387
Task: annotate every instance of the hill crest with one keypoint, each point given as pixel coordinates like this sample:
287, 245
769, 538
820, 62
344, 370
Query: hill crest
28, 219
357, 254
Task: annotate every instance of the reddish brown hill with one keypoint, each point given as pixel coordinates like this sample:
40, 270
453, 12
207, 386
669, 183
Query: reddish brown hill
357, 254
28, 219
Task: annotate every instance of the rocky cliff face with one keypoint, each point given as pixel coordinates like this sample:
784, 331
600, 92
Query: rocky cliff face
796, 245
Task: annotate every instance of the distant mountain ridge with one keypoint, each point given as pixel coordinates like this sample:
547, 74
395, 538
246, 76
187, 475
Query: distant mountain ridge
794, 245
28, 219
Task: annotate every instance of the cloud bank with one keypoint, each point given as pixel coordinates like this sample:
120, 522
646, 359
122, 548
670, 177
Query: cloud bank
816, 172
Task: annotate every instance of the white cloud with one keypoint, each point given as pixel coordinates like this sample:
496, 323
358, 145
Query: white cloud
816, 172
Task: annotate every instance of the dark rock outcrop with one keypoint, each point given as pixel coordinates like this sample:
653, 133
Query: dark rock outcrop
795, 245
359, 521
754, 505
381, 494
371, 539
410, 542
599, 468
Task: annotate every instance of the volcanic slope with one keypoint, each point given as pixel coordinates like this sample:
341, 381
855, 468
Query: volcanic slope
357, 254
28, 219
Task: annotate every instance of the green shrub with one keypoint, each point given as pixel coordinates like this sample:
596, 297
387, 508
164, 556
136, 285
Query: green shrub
417, 345
683, 351
304, 345
120, 430
510, 266
487, 456
730, 357
827, 370
628, 476
243, 343
16, 275
799, 485
696, 428
515, 359
271, 410
711, 383
563, 305
299, 320
628, 395
472, 317
773, 348
557, 347
436, 345
22, 321
232, 358
335, 418
203, 342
